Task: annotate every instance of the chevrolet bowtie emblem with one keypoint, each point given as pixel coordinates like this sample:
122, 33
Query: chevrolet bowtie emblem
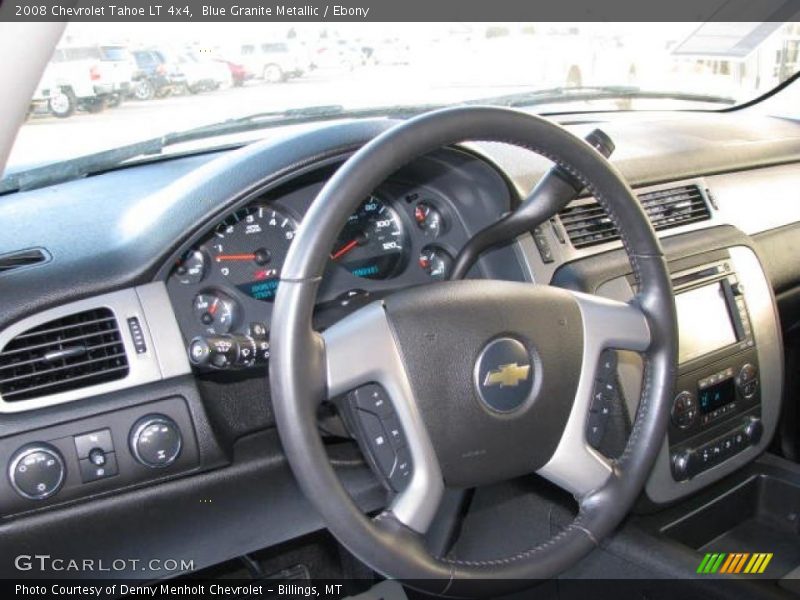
509, 375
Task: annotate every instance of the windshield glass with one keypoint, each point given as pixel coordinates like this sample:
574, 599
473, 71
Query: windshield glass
114, 84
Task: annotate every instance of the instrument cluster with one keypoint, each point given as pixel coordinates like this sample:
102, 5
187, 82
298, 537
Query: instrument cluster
224, 285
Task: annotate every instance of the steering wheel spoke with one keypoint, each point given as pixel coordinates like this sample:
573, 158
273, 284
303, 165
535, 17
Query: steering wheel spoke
607, 324
361, 350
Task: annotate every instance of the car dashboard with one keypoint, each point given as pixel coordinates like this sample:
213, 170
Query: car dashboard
134, 355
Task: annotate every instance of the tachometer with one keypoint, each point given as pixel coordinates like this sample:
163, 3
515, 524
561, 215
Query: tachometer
250, 247
374, 242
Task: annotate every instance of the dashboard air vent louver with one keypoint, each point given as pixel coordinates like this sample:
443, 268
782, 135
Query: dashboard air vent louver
588, 224
68, 353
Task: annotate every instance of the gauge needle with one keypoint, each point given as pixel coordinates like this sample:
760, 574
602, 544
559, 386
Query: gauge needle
222, 257
344, 249
212, 310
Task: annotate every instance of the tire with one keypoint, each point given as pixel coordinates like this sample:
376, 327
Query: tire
63, 104
144, 90
96, 105
114, 100
273, 73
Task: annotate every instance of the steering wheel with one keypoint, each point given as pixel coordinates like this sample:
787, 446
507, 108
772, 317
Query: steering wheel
488, 380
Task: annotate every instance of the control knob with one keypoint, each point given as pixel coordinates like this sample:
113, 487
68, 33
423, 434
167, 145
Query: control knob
753, 430
682, 464
155, 441
37, 471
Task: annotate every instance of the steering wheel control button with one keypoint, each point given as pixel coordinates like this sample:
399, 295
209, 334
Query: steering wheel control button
605, 395
684, 410
395, 432
99, 465
37, 471
378, 441
503, 375
155, 441
374, 399
401, 474
85, 443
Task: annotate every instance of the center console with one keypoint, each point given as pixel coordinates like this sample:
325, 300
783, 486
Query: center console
730, 373
716, 412
728, 384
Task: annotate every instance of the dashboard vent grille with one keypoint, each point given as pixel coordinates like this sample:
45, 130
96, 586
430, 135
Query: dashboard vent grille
588, 224
68, 353
22, 258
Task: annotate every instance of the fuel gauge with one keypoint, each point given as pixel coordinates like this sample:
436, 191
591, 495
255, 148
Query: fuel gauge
191, 268
216, 311
429, 218
435, 261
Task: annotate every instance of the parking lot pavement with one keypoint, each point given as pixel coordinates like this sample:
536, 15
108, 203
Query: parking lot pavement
46, 138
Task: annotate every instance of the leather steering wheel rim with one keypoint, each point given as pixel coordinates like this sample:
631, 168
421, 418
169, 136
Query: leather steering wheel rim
303, 362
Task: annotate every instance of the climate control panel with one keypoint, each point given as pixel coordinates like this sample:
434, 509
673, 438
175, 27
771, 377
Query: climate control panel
97, 454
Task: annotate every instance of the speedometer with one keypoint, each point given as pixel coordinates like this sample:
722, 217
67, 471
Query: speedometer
374, 242
250, 247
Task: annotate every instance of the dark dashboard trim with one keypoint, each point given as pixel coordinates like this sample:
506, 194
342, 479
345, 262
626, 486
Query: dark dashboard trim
135, 247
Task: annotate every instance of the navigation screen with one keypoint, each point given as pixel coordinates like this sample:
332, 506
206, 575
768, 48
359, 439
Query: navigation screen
704, 323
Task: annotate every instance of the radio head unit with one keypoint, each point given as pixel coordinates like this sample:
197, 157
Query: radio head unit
716, 411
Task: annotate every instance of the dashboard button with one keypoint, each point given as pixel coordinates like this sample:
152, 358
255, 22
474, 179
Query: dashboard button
92, 470
37, 471
684, 410
86, 442
155, 441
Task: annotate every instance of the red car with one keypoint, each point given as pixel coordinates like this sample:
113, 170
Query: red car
239, 73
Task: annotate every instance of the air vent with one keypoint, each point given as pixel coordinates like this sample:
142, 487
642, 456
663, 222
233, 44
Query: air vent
68, 353
22, 258
588, 224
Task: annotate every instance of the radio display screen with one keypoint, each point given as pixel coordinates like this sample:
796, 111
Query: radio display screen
714, 396
704, 322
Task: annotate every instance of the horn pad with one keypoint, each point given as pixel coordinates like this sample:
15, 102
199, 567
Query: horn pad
494, 366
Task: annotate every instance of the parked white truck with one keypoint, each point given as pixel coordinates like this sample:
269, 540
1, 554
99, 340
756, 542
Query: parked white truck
88, 77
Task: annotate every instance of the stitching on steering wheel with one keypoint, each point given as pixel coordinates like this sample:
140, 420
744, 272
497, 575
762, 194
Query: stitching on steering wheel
643, 408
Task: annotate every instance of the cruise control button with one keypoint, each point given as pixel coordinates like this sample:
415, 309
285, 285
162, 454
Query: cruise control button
374, 399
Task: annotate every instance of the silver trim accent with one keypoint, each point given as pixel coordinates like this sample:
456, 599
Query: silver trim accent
733, 193
565, 252
576, 466
27, 451
143, 424
661, 487
165, 356
167, 341
360, 349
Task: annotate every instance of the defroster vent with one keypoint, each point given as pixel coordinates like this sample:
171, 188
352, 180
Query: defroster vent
65, 354
587, 223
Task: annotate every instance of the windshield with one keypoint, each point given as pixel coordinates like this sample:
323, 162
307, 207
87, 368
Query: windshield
115, 84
